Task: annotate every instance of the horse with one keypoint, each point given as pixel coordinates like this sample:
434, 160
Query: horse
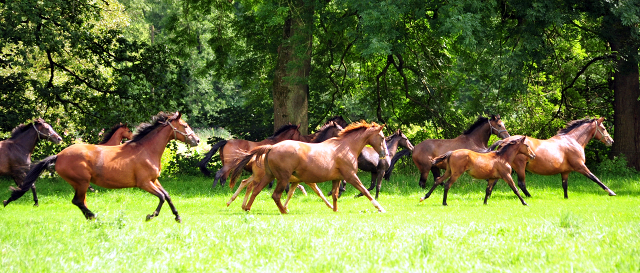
329, 130
334, 159
116, 134
563, 153
133, 164
475, 138
368, 161
231, 149
338, 120
15, 152
491, 165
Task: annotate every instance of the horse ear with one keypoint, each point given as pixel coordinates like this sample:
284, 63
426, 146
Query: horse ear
601, 119
299, 125
176, 115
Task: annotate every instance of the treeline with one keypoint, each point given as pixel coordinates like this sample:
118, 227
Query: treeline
428, 67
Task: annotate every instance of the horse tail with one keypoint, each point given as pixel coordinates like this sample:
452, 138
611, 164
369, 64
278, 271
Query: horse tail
441, 158
207, 157
395, 159
494, 145
239, 164
30, 180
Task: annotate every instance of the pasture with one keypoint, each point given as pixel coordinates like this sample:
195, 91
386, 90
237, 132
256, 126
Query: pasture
588, 232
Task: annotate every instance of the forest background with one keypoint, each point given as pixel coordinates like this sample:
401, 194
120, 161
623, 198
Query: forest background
428, 67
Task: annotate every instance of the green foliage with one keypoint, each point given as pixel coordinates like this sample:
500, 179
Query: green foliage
616, 167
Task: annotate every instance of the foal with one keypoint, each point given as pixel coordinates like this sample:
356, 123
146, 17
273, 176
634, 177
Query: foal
491, 166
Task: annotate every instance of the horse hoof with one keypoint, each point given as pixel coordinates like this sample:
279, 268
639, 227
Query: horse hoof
382, 210
611, 193
422, 199
36, 205
149, 217
178, 219
5, 203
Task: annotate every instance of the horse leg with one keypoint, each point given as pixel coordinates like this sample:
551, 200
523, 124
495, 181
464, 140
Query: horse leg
565, 185
586, 172
507, 178
436, 183
257, 189
436, 172
317, 190
19, 178
219, 176
519, 166
151, 188
277, 193
301, 188
290, 194
447, 186
490, 184
248, 192
243, 184
168, 198
80, 200
335, 193
374, 176
353, 179
341, 188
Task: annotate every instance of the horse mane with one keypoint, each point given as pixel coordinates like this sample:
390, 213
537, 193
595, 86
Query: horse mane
357, 127
146, 128
322, 133
283, 129
503, 147
479, 122
23, 128
573, 125
338, 120
111, 131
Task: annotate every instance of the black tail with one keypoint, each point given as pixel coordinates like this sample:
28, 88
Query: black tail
395, 159
31, 178
203, 163
441, 158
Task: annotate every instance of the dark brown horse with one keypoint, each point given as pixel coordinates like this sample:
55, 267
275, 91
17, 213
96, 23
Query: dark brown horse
232, 149
335, 159
15, 152
338, 120
133, 164
491, 166
116, 134
563, 153
329, 130
475, 138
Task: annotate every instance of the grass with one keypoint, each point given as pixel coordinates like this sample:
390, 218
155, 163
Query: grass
588, 232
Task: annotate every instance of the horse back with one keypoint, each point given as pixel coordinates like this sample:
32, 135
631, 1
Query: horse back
554, 155
478, 165
106, 166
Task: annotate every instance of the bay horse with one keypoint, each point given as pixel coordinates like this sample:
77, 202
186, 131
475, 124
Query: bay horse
491, 166
133, 164
116, 134
563, 153
329, 130
15, 152
231, 149
475, 138
334, 159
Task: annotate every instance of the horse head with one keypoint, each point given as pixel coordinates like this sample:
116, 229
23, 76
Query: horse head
45, 131
182, 131
525, 148
497, 127
126, 132
377, 140
601, 133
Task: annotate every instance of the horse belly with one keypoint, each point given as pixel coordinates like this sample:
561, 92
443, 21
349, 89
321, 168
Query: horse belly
548, 162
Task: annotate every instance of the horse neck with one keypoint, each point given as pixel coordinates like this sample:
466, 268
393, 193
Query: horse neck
480, 136
156, 141
356, 141
115, 139
510, 154
392, 145
27, 140
284, 136
582, 134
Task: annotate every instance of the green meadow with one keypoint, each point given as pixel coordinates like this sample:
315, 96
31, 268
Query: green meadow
589, 232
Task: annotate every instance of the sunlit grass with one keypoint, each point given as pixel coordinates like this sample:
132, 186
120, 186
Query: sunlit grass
589, 232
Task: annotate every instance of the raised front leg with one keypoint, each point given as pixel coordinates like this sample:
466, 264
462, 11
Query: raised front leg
507, 178
317, 190
168, 199
80, 200
586, 172
150, 187
519, 166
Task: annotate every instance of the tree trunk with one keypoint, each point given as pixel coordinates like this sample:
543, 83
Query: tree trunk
290, 83
626, 108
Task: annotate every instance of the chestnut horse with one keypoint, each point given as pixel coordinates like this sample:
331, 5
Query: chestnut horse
475, 138
116, 134
329, 130
335, 159
15, 152
491, 166
563, 153
231, 149
133, 164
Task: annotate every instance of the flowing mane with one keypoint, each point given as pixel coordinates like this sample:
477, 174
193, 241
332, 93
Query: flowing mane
146, 128
111, 131
573, 125
356, 127
283, 129
322, 133
503, 146
479, 122
23, 128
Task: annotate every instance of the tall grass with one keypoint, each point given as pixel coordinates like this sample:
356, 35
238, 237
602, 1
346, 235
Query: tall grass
588, 232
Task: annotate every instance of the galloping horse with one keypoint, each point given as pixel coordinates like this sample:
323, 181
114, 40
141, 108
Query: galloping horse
15, 152
329, 130
116, 134
133, 164
563, 153
475, 138
231, 149
335, 159
491, 166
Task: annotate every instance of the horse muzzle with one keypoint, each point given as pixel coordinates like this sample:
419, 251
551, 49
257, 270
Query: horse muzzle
193, 141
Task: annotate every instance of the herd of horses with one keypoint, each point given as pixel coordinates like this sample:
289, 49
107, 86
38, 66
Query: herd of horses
334, 153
